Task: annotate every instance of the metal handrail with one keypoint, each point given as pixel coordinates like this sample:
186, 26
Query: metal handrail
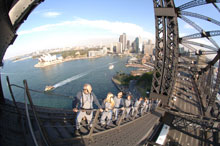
94, 124
29, 121
42, 133
12, 95
14, 101
42, 92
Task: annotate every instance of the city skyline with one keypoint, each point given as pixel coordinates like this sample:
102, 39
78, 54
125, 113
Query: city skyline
56, 24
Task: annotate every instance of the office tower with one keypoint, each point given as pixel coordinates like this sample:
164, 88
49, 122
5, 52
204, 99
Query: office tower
122, 40
148, 47
119, 47
136, 45
128, 44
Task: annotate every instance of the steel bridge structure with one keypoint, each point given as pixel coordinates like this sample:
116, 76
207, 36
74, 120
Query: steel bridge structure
186, 83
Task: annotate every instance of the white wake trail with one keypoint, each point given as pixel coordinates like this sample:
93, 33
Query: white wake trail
113, 62
71, 79
79, 76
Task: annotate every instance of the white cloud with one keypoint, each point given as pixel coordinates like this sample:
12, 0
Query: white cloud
74, 33
51, 14
112, 27
42, 28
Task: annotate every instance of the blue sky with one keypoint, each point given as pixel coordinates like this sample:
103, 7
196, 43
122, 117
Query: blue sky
66, 23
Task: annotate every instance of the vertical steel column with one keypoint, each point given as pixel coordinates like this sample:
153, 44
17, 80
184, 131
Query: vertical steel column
12, 95
39, 124
94, 124
167, 48
160, 50
213, 97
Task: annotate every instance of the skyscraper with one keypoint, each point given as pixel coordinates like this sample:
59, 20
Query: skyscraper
128, 44
148, 47
122, 40
118, 47
140, 49
136, 44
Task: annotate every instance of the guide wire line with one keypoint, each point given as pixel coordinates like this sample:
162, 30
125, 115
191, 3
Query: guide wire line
41, 91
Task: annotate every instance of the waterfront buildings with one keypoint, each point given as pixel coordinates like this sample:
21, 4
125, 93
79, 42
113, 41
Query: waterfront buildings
101, 52
148, 48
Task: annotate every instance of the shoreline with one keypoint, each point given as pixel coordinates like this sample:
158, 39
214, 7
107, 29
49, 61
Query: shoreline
46, 64
119, 86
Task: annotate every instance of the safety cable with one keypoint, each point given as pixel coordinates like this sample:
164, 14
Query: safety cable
43, 92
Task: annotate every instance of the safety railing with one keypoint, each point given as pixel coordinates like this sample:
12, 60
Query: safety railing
41, 127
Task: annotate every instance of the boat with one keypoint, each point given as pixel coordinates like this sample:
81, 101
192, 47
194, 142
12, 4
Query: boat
48, 88
111, 66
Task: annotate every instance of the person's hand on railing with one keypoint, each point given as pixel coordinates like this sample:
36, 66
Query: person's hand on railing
101, 110
75, 110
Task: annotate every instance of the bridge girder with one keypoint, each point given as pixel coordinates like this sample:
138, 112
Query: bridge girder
166, 49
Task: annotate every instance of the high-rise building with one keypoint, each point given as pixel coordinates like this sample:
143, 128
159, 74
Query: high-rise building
140, 49
111, 48
148, 47
119, 47
136, 45
122, 40
128, 45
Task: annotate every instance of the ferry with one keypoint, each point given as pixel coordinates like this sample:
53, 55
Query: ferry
48, 88
111, 66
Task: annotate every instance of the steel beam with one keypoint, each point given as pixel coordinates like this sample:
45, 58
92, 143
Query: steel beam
187, 124
202, 35
199, 16
200, 45
213, 97
195, 3
166, 48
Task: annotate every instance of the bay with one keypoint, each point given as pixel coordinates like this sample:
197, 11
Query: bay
68, 78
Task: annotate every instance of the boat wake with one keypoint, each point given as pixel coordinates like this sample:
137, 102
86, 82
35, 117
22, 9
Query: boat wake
113, 62
71, 79
75, 77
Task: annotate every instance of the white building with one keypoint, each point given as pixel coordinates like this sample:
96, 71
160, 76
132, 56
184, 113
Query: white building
47, 58
123, 41
98, 53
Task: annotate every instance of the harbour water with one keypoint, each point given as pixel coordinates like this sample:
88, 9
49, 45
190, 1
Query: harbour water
68, 78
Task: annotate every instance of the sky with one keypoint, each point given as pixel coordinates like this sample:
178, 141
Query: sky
68, 23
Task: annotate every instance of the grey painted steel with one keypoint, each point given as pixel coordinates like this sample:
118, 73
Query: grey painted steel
29, 121
200, 45
39, 124
216, 89
129, 133
195, 3
201, 35
95, 121
166, 47
21, 9
18, 11
12, 95
202, 32
8, 33
216, 7
186, 124
191, 14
